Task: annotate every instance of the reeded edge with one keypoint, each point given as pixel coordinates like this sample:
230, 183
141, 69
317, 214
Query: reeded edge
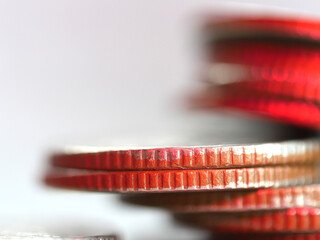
183, 180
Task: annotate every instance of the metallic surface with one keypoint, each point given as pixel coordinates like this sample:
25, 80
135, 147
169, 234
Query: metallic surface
282, 68
225, 156
42, 236
246, 200
183, 180
300, 27
269, 236
291, 111
265, 65
292, 220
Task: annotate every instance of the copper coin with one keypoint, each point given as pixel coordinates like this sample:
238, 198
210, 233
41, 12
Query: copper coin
299, 27
245, 200
183, 180
225, 156
291, 111
292, 220
267, 236
284, 69
284, 55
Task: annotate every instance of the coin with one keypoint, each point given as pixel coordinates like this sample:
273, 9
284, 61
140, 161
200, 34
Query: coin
290, 111
282, 69
292, 220
297, 26
267, 236
223, 156
71, 228
245, 200
40, 236
183, 180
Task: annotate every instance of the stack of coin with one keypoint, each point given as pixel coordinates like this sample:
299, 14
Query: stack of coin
191, 181
189, 168
266, 66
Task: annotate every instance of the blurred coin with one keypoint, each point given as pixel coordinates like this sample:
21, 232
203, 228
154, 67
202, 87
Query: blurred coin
290, 111
246, 200
298, 27
267, 236
71, 229
35, 236
283, 69
292, 220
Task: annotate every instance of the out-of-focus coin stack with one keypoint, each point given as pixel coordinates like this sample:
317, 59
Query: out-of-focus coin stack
267, 66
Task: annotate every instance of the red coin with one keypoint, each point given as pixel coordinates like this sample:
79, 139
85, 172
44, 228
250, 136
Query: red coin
279, 55
268, 236
228, 156
292, 220
295, 112
245, 200
279, 68
302, 27
297, 91
183, 180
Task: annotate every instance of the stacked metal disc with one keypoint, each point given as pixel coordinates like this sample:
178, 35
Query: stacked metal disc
266, 66
261, 181
263, 65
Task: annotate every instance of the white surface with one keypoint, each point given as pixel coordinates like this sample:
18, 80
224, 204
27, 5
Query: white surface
78, 70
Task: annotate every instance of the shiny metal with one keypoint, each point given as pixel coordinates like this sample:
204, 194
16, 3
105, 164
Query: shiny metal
183, 180
228, 201
196, 157
41, 236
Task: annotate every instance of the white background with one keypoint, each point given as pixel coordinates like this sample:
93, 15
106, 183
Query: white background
75, 70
